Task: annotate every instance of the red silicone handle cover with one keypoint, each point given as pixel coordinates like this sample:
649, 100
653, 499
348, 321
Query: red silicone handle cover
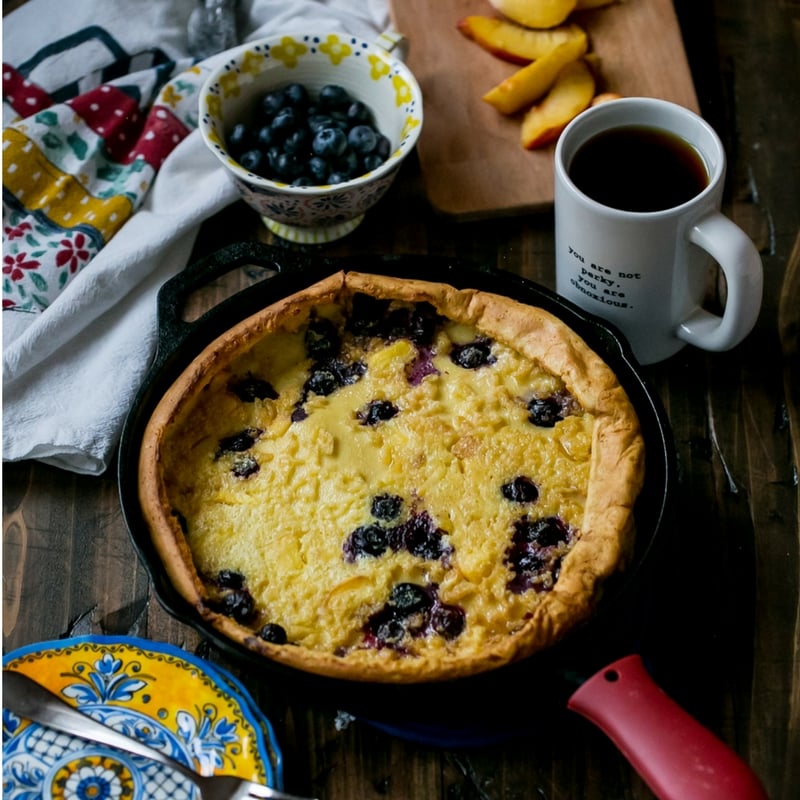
678, 758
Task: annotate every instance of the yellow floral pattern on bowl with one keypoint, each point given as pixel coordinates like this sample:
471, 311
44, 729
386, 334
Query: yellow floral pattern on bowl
379, 67
190, 710
336, 49
289, 51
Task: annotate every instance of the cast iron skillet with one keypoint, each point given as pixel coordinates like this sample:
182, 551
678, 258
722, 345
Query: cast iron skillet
524, 697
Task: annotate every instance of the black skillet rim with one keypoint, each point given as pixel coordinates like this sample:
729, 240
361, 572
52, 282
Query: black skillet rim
179, 342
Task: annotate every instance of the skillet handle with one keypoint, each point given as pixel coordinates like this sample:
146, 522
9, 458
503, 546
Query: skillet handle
172, 328
678, 758
174, 293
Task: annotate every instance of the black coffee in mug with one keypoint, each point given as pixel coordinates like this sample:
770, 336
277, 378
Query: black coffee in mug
638, 168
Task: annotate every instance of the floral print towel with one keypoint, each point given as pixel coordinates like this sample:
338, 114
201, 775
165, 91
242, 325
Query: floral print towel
105, 184
75, 171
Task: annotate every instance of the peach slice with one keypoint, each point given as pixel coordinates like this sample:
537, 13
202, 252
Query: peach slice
571, 93
535, 13
528, 84
513, 42
605, 97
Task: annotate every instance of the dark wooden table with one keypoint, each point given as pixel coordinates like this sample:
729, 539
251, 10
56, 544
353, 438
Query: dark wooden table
725, 627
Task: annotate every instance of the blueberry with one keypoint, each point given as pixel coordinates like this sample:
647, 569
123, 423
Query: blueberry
239, 442
532, 569
529, 561
473, 354
337, 177
317, 122
288, 166
327, 376
387, 629
244, 466
334, 96
366, 540
274, 633
265, 137
350, 373
296, 95
238, 604
359, 112
384, 147
347, 164
409, 598
321, 339
545, 411
303, 180
366, 315
448, 621
322, 382
234, 600
377, 411
386, 507
272, 102
520, 490
417, 323
299, 414
273, 154
251, 388
397, 324
285, 121
547, 532
372, 161
418, 536
318, 169
362, 138
340, 119
534, 556
297, 142
240, 139
229, 579
252, 160
329, 142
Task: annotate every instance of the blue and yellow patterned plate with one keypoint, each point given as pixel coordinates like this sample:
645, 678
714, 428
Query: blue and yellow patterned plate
194, 712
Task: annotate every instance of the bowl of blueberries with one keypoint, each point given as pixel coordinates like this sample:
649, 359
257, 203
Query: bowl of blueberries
313, 128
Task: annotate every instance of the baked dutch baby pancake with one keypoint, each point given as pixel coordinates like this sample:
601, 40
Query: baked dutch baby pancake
393, 480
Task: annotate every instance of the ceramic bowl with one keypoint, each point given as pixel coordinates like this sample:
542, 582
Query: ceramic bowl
369, 72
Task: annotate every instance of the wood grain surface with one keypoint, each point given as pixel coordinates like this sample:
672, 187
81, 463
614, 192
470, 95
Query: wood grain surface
472, 161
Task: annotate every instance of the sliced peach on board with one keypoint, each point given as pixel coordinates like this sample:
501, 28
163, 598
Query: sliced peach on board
528, 84
513, 42
571, 93
535, 13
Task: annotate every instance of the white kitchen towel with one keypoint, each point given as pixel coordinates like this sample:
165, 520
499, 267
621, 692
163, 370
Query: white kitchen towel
105, 184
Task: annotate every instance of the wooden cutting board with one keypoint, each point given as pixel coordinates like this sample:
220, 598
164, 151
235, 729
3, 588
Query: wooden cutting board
472, 162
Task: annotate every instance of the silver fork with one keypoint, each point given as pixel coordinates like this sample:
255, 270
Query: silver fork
29, 699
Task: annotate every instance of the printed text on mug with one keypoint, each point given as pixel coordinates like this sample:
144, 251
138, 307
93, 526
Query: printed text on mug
600, 283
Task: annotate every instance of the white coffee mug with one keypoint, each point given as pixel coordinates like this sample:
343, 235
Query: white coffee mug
645, 271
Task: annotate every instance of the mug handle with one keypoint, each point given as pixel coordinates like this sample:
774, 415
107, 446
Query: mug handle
740, 262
